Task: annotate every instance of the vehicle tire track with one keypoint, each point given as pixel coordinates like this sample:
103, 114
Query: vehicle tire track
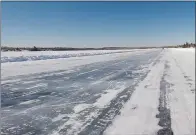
187, 78
164, 111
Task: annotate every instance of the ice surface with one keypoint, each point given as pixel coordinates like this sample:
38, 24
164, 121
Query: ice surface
116, 93
32, 67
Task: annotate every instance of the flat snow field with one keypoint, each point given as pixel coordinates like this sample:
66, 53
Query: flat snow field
121, 92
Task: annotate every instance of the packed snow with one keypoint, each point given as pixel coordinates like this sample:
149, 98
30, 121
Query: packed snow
113, 92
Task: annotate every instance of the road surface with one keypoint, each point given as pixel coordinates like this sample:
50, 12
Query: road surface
138, 92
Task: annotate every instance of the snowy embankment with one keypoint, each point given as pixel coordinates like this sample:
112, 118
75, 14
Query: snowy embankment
45, 55
182, 97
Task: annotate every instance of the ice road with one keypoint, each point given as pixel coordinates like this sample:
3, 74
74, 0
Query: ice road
149, 92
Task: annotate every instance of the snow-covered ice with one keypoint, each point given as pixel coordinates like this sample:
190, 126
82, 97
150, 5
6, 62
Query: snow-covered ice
38, 66
45, 55
112, 92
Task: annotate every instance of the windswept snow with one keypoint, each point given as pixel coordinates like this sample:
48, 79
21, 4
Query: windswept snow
108, 92
51, 65
45, 55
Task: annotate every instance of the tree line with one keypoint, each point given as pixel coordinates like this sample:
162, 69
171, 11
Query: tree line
4, 48
66, 48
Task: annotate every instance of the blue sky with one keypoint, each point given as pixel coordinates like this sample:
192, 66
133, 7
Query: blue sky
97, 24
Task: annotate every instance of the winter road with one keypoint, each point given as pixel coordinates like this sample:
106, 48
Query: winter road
139, 92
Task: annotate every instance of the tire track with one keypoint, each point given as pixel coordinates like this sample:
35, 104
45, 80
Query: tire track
187, 78
164, 111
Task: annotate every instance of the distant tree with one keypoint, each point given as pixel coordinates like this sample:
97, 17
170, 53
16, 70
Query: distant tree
18, 49
34, 49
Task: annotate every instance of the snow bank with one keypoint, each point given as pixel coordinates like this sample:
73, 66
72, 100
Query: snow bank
45, 55
182, 97
185, 59
184, 49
